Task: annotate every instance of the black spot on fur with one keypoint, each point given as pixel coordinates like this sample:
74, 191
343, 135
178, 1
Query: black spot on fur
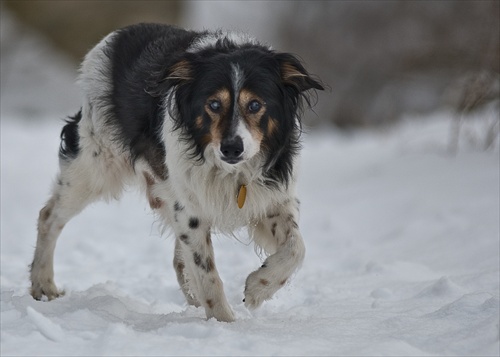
292, 221
184, 238
273, 228
70, 138
178, 207
197, 258
272, 215
207, 265
194, 222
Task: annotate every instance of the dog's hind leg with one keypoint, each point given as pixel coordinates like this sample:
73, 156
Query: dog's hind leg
70, 196
85, 176
61, 207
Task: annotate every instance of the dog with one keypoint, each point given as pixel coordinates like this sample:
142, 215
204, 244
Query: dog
208, 125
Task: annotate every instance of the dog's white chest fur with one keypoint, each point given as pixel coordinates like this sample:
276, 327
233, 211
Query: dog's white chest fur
213, 189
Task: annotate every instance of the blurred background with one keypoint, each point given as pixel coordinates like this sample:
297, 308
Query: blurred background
383, 60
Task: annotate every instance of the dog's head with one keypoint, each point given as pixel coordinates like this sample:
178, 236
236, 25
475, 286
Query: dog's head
236, 101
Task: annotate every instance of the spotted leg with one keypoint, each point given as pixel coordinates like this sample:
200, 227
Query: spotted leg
199, 280
74, 190
182, 273
52, 219
278, 234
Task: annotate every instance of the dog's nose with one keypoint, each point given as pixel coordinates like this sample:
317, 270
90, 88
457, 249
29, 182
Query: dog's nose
232, 149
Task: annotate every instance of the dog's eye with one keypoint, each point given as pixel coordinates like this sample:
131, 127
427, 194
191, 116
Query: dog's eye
215, 106
254, 106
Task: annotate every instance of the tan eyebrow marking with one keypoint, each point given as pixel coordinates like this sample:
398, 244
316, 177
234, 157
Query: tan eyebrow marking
216, 126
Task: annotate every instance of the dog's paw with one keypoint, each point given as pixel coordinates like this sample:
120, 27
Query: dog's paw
48, 289
258, 288
191, 300
221, 313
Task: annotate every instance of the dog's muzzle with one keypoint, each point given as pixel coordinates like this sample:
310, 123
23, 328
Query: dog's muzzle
232, 150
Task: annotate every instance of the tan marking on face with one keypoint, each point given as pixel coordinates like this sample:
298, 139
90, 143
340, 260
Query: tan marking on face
272, 125
199, 122
252, 120
224, 97
205, 139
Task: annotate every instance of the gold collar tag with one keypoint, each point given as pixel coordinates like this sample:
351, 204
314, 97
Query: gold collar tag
242, 195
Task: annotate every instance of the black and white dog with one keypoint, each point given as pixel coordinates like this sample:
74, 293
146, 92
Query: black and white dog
207, 123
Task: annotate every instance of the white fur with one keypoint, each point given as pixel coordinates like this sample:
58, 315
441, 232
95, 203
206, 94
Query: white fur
211, 38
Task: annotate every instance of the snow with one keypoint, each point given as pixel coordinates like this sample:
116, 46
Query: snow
402, 258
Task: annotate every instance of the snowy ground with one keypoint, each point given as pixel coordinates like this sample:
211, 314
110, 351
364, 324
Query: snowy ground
402, 258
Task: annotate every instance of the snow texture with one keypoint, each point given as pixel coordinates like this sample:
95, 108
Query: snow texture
402, 255
402, 258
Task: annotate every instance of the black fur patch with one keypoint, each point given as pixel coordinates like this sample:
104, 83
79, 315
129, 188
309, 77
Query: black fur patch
207, 265
194, 222
273, 228
184, 238
70, 139
178, 207
140, 56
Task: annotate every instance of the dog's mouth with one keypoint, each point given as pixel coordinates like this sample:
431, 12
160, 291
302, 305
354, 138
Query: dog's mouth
231, 161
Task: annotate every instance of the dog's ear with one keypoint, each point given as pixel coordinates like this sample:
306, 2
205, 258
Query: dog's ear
180, 72
165, 78
294, 74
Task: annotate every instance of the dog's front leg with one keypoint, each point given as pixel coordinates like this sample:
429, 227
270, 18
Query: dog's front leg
201, 276
278, 234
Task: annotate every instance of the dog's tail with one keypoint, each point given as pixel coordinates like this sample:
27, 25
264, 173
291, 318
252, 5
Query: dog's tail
70, 138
